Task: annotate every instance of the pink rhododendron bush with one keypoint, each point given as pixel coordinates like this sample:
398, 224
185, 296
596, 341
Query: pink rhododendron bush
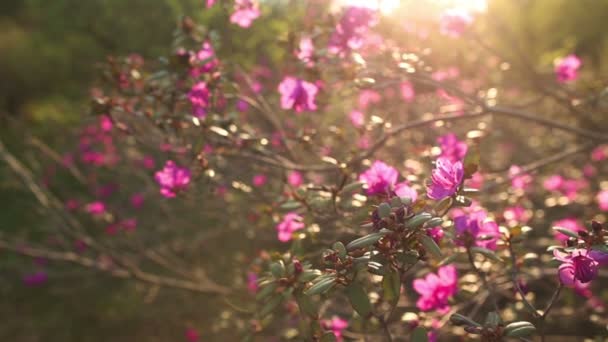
384, 179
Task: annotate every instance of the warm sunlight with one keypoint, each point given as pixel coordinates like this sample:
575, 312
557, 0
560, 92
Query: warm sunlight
386, 7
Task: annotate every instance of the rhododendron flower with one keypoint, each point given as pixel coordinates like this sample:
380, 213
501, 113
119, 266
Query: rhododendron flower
210, 3
451, 147
454, 22
404, 190
252, 282
290, 223
436, 233
576, 266
553, 183
204, 60
363, 142
445, 178
294, 178
297, 94
96, 208
519, 179
379, 178
106, 124
471, 228
600, 257
336, 325
306, 51
349, 32
567, 223
259, 180
245, 12
517, 215
137, 200
357, 118
35, 279
199, 99
407, 91
192, 335
566, 69
602, 200
599, 153
129, 224
172, 179
436, 289
367, 97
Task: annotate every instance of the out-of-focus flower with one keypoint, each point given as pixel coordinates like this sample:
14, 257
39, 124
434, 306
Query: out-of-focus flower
454, 22
306, 51
553, 183
602, 200
294, 178
576, 266
35, 279
297, 94
367, 97
336, 325
199, 99
516, 215
566, 69
106, 124
259, 179
379, 178
357, 118
172, 179
436, 289
350, 31
96, 208
71, 204
192, 335
245, 12
290, 223
475, 229
129, 224
436, 233
137, 200
520, 179
404, 190
445, 178
407, 91
599, 153
567, 223
252, 282
204, 60
210, 3
451, 147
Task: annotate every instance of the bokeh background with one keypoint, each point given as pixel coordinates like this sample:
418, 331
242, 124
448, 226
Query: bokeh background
50, 52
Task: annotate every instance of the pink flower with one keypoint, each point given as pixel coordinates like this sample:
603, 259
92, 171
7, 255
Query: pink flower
291, 222
445, 178
306, 51
106, 123
454, 22
172, 179
96, 208
137, 200
436, 289
252, 282
379, 178
35, 279
407, 91
471, 228
350, 31
436, 233
294, 178
297, 94
245, 12
210, 3
71, 204
199, 99
516, 215
519, 179
404, 190
567, 223
129, 224
576, 266
192, 335
367, 97
203, 60
336, 325
451, 147
259, 180
553, 183
599, 153
602, 200
357, 118
566, 69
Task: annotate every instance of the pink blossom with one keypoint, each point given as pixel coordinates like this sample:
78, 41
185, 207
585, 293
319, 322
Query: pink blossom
242, 106
602, 200
436, 233
306, 51
259, 180
336, 325
192, 335
245, 12
210, 3
148, 162
475, 229
35, 279
589, 170
566, 69
72, 204
517, 215
576, 266
436, 289
252, 282
106, 124
553, 183
451, 147
445, 178
363, 142
357, 118
290, 223
96, 208
567, 223
294, 178
297, 94
172, 179
379, 178
199, 99
137, 200
519, 178
367, 97
599, 153
204, 60
407, 91
350, 31
404, 190
454, 22
129, 224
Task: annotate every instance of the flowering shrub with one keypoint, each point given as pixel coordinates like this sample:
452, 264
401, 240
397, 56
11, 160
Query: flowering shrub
375, 178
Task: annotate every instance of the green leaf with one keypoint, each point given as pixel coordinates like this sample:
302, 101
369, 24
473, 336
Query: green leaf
358, 299
519, 329
270, 306
430, 246
328, 337
365, 241
418, 220
601, 248
277, 269
384, 210
307, 305
321, 287
458, 319
340, 249
419, 335
471, 161
492, 320
291, 205
308, 275
391, 285
266, 291
434, 222
487, 253
448, 260
566, 232
352, 187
